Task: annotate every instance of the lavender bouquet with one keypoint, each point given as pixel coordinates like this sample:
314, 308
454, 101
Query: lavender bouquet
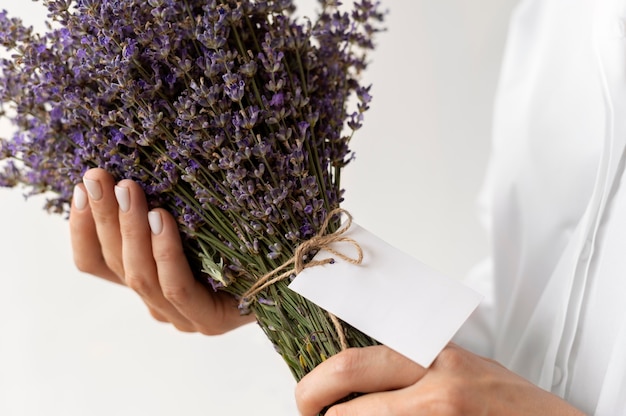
233, 115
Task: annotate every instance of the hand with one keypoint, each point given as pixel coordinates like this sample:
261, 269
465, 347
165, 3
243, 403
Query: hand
115, 237
457, 383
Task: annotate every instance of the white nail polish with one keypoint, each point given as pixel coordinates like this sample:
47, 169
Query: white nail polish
123, 198
155, 221
79, 199
93, 189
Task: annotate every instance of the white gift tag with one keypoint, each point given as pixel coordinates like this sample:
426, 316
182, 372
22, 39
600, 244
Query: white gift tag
390, 296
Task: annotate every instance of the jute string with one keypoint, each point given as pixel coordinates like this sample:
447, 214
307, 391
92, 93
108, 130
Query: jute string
320, 241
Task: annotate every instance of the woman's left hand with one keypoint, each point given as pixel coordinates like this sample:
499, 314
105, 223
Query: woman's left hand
457, 383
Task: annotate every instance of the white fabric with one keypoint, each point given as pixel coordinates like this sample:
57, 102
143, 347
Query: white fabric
556, 204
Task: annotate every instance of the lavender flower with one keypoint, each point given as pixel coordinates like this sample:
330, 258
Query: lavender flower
234, 115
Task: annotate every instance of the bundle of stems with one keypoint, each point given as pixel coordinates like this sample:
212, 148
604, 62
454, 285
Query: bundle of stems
233, 115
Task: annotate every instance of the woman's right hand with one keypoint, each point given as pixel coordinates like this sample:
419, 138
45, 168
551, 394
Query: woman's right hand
115, 237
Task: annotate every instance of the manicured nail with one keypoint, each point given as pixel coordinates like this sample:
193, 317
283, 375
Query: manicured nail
123, 198
155, 221
93, 189
80, 198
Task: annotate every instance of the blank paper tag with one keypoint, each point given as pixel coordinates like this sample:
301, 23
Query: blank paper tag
390, 296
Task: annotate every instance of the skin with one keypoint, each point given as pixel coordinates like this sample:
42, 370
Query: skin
457, 383
115, 242
116, 238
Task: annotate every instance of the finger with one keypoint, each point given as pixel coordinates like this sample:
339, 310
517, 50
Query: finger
140, 271
397, 403
99, 185
212, 313
135, 249
86, 249
355, 370
157, 315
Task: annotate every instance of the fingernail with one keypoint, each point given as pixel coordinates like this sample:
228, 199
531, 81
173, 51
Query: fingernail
155, 221
93, 189
79, 198
123, 198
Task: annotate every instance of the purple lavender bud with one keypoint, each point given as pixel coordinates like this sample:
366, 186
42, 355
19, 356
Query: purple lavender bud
234, 86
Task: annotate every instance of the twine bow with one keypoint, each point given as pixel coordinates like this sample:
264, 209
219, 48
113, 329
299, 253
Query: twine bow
321, 240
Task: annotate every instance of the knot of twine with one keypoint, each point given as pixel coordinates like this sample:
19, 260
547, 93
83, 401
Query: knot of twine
321, 240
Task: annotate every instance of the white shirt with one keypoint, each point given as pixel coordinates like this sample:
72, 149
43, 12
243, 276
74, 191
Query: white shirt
556, 204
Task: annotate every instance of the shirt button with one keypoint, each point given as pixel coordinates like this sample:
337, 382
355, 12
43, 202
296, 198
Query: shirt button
557, 376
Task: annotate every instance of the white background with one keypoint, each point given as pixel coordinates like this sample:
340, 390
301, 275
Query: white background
72, 345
